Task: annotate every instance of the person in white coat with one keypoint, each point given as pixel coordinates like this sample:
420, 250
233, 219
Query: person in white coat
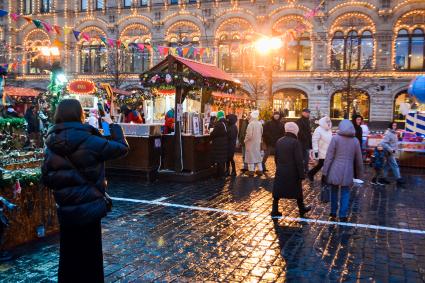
254, 132
321, 139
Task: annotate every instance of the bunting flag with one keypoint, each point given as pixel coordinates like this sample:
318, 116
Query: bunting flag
3, 13
118, 42
76, 34
141, 46
28, 19
85, 36
103, 39
57, 29
47, 26
14, 17
37, 23
67, 30
111, 42
57, 43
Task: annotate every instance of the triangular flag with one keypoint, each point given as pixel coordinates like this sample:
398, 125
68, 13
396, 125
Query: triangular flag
111, 42
201, 52
24, 62
208, 50
37, 23
15, 66
118, 43
67, 30
155, 48
28, 19
161, 50
185, 51
190, 52
125, 44
86, 36
149, 47
104, 40
3, 13
9, 68
166, 50
141, 46
57, 29
57, 43
179, 51
47, 26
76, 34
14, 17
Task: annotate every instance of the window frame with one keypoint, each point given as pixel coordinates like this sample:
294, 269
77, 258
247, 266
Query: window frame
25, 7
127, 5
82, 9
410, 36
97, 5
43, 8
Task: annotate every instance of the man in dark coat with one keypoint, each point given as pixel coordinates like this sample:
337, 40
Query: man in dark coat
241, 137
33, 125
289, 170
232, 119
304, 136
220, 140
357, 122
272, 132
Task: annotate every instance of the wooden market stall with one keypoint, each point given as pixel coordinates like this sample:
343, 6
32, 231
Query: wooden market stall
186, 153
21, 97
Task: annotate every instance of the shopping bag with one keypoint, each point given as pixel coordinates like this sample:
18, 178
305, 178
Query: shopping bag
325, 193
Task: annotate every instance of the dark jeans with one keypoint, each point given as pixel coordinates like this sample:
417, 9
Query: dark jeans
316, 168
80, 255
343, 200
306, 157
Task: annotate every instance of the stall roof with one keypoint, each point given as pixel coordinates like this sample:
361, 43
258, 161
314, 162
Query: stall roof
233, 96
20, 91
205, 70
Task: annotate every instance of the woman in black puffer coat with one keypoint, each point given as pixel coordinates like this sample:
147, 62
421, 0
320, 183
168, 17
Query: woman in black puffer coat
74, 169
220, 143
232, 119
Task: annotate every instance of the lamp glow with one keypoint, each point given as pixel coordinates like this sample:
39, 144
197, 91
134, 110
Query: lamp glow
266, 45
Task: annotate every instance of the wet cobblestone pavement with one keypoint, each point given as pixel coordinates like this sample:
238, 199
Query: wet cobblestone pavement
220, 230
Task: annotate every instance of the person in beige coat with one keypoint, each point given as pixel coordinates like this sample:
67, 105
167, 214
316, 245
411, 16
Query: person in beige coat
254, 132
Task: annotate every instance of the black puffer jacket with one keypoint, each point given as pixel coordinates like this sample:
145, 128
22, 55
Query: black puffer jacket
304, 135
74, 169
273, 131
233, 135
220, 141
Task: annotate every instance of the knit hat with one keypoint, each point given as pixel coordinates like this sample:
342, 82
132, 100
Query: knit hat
220, 115
291, 127
255, 114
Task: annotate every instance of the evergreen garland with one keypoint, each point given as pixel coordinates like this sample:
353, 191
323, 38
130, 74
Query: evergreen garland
8, 124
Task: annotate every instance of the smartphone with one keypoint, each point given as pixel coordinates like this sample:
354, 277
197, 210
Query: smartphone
101, 109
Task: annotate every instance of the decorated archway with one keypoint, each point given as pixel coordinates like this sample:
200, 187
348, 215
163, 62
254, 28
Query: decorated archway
359, 104
296, 54
290, 102
35, 41
134, 59
231, 38
402, 102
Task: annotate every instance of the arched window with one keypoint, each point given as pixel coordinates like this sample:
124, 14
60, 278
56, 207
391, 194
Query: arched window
290, 102
37, 61
352, 42
338, 44
366, 50
136, 60
410, 41
93, 57
358, 100
352, 52
231, 38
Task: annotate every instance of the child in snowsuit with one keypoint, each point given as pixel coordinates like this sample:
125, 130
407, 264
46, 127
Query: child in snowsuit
378, 161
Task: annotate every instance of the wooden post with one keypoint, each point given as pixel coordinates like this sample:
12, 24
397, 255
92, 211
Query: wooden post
178, 152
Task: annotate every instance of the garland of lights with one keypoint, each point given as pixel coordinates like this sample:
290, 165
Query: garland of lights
223, 102
29, 176
189, 81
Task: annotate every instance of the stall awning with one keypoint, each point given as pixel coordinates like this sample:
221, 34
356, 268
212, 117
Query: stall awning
232, 96
20, 91
205, 70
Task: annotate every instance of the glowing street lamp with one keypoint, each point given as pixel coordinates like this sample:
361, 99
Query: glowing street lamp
267, 46
49, 51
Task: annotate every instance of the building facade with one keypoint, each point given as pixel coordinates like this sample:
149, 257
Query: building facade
365, 50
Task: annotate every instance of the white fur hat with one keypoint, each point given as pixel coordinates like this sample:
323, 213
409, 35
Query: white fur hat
255, 114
